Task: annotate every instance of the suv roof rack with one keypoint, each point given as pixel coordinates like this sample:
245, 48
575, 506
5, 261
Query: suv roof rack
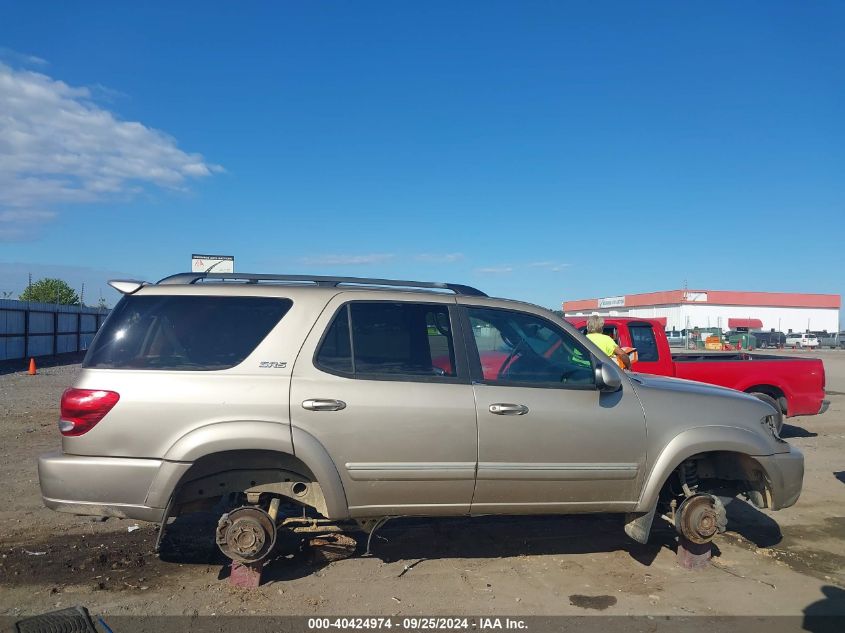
320, 280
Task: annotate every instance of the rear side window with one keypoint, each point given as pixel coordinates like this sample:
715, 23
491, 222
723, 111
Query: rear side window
184, 332
642, 337
389, 339
335, 353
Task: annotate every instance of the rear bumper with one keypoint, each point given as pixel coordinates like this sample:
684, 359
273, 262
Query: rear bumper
99, 486
824, 406
785, 472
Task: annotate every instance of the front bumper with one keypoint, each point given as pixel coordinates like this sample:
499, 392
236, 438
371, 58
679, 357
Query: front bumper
99, 486
824, 406
785, 472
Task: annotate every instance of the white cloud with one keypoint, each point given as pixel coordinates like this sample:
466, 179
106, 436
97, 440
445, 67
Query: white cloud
554, 267
24, 59
444, 258
495, 270
347, 260
18, 225
57, 147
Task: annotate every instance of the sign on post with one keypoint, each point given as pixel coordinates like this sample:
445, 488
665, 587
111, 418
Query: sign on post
212, 263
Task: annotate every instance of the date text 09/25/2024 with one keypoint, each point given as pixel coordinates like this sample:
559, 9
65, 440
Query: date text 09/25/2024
418, 623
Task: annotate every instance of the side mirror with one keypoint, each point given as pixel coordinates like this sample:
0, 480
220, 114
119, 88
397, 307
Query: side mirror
607, 379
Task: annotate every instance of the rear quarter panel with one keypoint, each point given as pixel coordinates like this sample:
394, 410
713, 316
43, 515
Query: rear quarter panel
157, 410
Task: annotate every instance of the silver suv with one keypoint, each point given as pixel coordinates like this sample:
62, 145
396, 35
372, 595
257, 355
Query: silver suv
361, 399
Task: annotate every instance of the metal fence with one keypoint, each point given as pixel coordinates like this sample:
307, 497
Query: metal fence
46, 329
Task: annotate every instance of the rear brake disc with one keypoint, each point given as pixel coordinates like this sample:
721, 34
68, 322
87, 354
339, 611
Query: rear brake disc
246, 534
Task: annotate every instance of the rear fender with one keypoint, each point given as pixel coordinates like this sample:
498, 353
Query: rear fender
227, 437
230, 436
312, 452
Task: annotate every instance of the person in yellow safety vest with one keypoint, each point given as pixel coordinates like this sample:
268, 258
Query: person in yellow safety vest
595, 332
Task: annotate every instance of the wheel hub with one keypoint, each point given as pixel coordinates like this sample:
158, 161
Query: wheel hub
698, 519
246, 534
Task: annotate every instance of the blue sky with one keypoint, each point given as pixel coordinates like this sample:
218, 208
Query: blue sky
538, 150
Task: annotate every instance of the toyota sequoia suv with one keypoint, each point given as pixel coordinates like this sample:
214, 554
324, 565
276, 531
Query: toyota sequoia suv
363, 399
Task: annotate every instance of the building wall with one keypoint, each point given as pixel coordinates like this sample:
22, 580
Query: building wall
782, 319
707, 315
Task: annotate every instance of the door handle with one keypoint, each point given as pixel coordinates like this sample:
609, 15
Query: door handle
504, 408
323, 404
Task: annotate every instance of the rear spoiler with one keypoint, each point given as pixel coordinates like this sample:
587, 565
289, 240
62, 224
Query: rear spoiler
127, 286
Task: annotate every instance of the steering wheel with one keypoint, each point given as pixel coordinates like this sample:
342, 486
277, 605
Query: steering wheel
514, 350
573, 373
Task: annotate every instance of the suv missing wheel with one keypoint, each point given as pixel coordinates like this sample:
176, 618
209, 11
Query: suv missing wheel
367, 398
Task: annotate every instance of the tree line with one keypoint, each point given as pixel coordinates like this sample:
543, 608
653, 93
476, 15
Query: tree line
52, 290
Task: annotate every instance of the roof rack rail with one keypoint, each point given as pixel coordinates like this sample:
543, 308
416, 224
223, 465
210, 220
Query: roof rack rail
320, 280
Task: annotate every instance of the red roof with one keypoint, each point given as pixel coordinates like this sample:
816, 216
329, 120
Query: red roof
749, 323
716, 297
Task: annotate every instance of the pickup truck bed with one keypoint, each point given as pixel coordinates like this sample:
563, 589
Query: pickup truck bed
728, 356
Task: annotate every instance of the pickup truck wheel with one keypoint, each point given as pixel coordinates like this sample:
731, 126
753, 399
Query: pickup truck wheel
775, 405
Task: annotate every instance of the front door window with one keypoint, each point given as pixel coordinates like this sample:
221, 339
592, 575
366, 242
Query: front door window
524, 349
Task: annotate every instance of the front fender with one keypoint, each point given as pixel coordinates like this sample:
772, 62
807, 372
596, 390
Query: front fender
702, 439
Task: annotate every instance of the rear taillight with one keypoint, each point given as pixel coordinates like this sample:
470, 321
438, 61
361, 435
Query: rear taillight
83, 408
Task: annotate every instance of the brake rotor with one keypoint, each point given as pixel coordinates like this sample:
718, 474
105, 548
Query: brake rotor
246, 534
697, 519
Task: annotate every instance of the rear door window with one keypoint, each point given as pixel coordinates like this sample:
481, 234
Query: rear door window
192, 333
389, 340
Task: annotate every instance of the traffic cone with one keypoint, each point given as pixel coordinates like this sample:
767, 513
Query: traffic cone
32, 371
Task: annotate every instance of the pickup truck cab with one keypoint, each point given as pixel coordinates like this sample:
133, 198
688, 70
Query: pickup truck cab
794, 386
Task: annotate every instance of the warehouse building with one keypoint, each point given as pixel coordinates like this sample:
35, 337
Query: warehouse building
686, 309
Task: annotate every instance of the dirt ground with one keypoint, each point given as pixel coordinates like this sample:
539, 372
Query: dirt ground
778, 563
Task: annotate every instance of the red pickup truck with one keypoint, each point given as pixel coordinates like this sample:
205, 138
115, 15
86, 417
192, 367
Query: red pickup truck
794, 386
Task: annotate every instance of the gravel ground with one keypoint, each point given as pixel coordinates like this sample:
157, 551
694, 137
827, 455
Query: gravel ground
766, 564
